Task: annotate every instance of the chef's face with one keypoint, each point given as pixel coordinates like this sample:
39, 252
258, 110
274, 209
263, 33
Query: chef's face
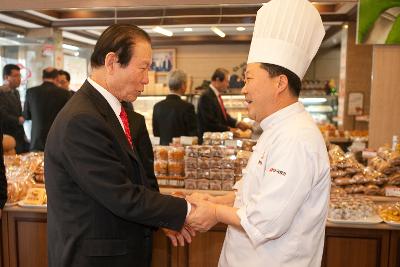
261, 92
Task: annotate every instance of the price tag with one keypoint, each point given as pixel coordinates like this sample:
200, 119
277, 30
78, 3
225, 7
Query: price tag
392, 191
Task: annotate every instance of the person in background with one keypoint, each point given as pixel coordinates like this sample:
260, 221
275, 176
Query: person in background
278, 214
3, 179
64, 80
211, 113
99, 197
174, 117
10, 106
42, 104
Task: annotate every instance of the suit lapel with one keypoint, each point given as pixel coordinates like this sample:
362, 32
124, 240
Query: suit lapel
105, 109
216, 102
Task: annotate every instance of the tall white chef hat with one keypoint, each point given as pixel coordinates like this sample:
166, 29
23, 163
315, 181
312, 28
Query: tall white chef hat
287, 33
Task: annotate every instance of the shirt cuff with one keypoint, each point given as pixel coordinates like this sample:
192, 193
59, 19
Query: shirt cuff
252, 232
189, 208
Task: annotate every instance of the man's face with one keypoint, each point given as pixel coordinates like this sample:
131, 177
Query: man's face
63, 82
260, 91
221, 86
127, 83
14, 79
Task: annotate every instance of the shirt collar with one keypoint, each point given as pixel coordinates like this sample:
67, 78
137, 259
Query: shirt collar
215, 90
112, 100
281, 114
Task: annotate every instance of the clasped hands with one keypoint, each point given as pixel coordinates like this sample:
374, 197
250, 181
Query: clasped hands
202, 217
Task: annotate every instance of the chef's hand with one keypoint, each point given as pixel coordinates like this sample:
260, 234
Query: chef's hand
179, 238
203, 217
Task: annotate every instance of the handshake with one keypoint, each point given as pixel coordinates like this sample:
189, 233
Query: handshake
202, 217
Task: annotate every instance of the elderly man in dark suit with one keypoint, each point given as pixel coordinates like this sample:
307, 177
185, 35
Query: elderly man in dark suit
174, 117
10, 106
42, 104
100, 203
211, 112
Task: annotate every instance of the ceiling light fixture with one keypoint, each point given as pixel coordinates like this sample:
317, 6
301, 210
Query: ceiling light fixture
240, 29
70, 47
162, 31
218, 32
188, 29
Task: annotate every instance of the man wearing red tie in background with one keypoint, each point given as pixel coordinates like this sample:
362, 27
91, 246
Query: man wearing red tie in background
211, 112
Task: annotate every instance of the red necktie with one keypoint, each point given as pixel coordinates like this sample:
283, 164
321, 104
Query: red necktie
125, 122
221, 103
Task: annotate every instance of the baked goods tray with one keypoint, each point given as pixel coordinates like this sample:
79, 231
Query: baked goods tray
370, 220
24, 205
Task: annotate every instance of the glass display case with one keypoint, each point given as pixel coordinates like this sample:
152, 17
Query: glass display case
322, 108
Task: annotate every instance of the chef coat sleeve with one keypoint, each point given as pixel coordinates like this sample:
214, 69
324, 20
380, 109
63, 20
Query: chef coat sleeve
285, 185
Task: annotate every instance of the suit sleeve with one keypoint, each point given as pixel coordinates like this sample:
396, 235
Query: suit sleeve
231, 121
3, 180
91, 158
7, 118
27, 108
207, 118
145, 150
190, 120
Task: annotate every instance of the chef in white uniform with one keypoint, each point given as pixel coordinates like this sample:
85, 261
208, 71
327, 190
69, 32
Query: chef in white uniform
277, 215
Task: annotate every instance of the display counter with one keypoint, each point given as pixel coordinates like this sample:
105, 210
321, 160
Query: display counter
24, 242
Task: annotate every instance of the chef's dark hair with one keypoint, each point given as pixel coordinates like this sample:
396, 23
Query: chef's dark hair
293, 80
120, 39
220, 74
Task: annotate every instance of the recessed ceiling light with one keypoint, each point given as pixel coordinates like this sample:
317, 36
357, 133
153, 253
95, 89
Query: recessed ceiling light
20, 36
345, 26
240, 29
162, 31
70, 47
218, 32
188, 29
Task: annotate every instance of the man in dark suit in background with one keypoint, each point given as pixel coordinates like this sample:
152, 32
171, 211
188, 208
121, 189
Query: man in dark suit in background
42, 104
100, 204
211, 112
174, 117
11, 108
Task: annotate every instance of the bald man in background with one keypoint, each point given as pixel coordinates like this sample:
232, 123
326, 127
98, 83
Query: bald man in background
42, 105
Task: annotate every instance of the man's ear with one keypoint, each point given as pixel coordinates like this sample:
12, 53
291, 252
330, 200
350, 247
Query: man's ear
283, 83
110, 61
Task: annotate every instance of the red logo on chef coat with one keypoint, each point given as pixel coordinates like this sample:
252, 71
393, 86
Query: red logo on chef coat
277, 171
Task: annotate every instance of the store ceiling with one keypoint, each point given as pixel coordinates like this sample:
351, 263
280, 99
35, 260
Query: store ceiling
83, 25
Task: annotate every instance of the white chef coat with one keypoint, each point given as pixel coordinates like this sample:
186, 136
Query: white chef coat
282, 199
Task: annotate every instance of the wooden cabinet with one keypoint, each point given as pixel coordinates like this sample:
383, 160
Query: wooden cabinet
352, 247
24, 244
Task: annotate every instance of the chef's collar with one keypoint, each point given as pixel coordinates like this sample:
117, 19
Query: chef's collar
281, 115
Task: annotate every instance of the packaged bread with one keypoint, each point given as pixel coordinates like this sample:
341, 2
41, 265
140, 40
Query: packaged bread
175, 168
190, 184
372, 189
248, 145
216, 139
215, 185
217, 151
203, 174
177, 182
205, 151
228, 135
342, 181
227, 185
192, 151
338, 173
160, 167
190, 163
176, 153
203, 163
215, 174
12, 192
215, 163
394, 179
390, 212
161, 153
228, 174
228, 162
203, 184
191, 174
35, 196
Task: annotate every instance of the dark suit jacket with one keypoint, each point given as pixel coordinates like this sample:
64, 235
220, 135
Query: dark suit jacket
142, 145
10, 106
3, 180
210, 115
99, 206
42, 104
173, 117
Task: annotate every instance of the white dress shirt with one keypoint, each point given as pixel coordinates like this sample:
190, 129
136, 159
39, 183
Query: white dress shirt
283, 197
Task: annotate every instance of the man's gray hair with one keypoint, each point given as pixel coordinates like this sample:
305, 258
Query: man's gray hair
176, 80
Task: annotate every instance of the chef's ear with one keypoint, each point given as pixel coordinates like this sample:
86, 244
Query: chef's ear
283, 83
